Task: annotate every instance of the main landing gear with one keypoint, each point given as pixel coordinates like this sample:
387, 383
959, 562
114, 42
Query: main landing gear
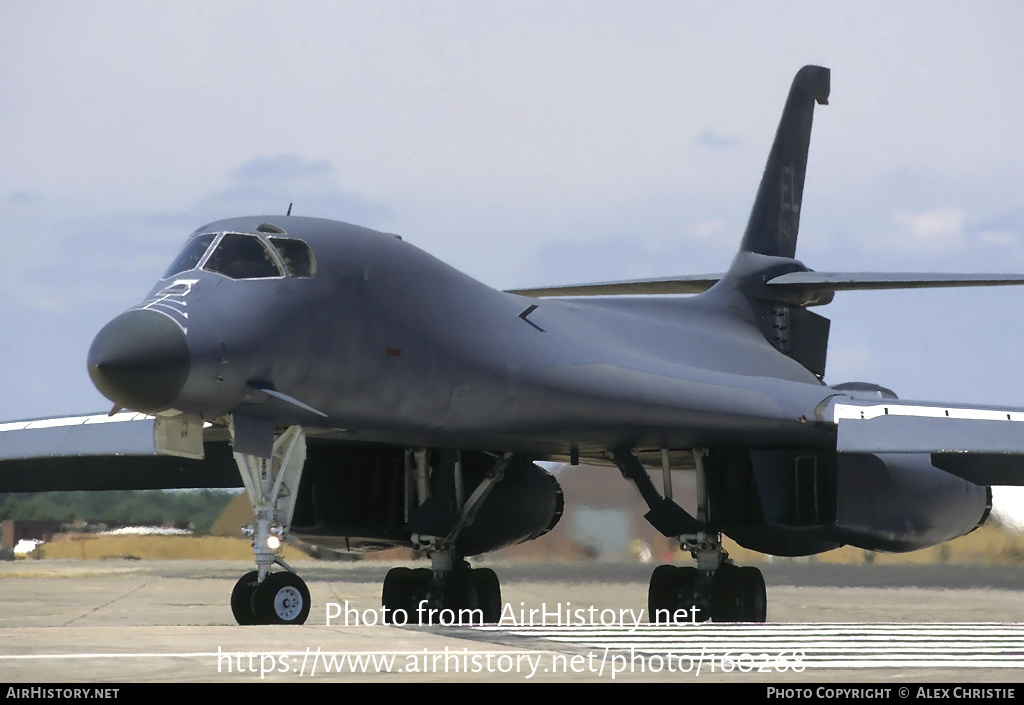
460, 596
449, 592
716, 588
262, 597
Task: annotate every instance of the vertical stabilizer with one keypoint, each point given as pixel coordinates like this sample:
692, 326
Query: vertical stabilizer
775, 218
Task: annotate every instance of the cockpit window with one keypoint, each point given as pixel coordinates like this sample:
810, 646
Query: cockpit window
191, 255
296, 256
243, 257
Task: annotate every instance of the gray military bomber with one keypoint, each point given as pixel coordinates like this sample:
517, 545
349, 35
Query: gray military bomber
370, 396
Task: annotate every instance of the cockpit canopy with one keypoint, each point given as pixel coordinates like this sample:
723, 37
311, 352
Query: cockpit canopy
245, 256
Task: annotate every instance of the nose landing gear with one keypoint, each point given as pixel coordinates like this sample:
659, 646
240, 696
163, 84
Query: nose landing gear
262, 597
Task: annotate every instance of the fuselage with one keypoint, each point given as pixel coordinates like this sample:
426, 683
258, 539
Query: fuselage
384, 342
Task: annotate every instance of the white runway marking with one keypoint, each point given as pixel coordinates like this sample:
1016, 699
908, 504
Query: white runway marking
699, 648
966, 645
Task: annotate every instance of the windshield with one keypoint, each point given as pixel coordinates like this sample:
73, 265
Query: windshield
243, 257
296, 255
191, 255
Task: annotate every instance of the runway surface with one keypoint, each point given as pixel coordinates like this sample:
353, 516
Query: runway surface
142, 621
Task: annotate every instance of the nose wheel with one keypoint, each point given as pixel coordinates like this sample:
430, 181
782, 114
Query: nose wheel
282, 598
241, 599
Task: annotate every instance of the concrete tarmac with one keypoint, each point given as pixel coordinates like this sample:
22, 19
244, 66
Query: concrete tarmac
129, 621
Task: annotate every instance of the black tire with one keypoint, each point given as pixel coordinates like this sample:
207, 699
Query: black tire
282, 598
488, 594
397, 595
459, 592
689, 578
755, 594
420, 591
728, 598
663, 594
241, 599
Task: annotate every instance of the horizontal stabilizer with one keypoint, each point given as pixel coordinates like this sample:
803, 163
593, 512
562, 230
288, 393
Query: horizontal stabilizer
811, 288
694, 284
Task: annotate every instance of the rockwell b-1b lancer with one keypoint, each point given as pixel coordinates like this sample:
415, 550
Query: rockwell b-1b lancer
369, 396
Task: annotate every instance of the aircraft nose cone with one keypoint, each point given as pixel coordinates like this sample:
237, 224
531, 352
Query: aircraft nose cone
140, 360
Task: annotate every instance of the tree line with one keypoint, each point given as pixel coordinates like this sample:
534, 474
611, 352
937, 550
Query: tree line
197, 508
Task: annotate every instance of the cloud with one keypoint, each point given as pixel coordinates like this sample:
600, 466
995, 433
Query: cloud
713, 140
934, 232
269, 184
948, 231
1003, 230
708, 228
24, 198
847, 363
999, 238
112, 258
285, 166
939, 230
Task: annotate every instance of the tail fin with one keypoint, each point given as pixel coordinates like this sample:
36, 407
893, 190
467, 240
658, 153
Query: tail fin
775, 217
769, 243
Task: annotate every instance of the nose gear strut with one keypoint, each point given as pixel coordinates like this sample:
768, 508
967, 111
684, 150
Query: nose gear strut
262, 597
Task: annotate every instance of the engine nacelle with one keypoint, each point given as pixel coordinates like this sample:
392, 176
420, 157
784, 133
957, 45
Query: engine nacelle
524, 506
363, 499
792, 503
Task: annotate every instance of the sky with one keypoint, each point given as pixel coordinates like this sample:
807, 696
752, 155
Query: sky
526, 143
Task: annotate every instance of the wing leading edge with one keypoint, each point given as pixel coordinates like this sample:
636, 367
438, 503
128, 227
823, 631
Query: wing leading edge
804, 288
675, 285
